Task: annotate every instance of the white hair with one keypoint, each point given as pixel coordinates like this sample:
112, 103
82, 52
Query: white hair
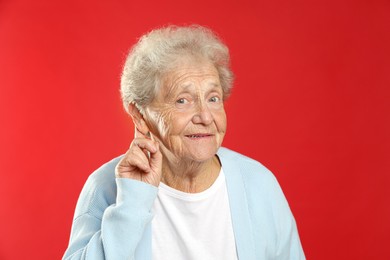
155, 54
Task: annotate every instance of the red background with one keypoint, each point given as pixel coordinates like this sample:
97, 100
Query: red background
311, 102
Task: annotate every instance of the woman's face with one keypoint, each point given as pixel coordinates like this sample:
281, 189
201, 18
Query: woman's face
188, 115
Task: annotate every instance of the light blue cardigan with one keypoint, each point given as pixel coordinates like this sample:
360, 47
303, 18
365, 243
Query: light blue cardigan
113, 216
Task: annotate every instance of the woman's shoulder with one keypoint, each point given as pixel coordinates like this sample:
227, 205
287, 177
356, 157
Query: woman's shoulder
230, 158
99, 190
251, 171
103, 178
105, 173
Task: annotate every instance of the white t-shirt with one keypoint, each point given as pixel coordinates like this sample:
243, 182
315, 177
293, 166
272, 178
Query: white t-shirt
191, 226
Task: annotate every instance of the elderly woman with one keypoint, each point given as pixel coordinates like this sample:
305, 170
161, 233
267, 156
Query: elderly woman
176, 193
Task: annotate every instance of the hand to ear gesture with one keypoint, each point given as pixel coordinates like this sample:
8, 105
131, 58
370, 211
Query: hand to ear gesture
143, 160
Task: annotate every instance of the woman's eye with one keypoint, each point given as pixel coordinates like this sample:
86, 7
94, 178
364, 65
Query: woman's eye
214, 99
181, 101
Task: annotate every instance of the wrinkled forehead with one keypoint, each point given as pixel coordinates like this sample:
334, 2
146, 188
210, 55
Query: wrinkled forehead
187, 74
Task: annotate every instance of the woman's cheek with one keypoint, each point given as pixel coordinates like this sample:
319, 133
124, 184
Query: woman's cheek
156, 123
220, 119
164, 122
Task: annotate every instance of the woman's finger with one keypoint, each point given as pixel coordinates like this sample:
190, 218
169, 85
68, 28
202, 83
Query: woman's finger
146, 144
156, 159
139, 160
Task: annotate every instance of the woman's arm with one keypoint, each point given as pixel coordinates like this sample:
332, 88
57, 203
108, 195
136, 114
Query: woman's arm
113, 232
104, 228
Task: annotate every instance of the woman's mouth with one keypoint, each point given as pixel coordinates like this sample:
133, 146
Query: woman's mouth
195, 136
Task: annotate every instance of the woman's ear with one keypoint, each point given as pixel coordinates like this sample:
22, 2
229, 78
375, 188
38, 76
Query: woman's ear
138, 119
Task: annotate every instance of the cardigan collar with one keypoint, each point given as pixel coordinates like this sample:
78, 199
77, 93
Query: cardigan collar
242, 226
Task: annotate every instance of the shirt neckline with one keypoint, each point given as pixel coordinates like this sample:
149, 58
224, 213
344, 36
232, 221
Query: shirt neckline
186, 196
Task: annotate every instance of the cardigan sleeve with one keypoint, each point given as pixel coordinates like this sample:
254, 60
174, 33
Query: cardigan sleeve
103, 231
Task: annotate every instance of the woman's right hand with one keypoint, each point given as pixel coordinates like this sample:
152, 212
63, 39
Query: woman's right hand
142, 162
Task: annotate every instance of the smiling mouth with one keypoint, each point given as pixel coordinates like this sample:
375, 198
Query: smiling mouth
199, 135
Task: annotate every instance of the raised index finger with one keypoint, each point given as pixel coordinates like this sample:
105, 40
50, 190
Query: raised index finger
145, 144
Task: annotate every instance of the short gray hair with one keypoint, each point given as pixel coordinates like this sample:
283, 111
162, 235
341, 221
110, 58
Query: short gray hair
156, 52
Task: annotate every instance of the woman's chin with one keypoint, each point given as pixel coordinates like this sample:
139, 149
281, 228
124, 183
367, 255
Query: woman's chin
192, 150
201, 154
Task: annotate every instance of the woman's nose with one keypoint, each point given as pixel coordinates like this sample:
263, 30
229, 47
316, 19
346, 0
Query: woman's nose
202, 114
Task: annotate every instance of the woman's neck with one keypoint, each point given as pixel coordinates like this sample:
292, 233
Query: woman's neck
191, 177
